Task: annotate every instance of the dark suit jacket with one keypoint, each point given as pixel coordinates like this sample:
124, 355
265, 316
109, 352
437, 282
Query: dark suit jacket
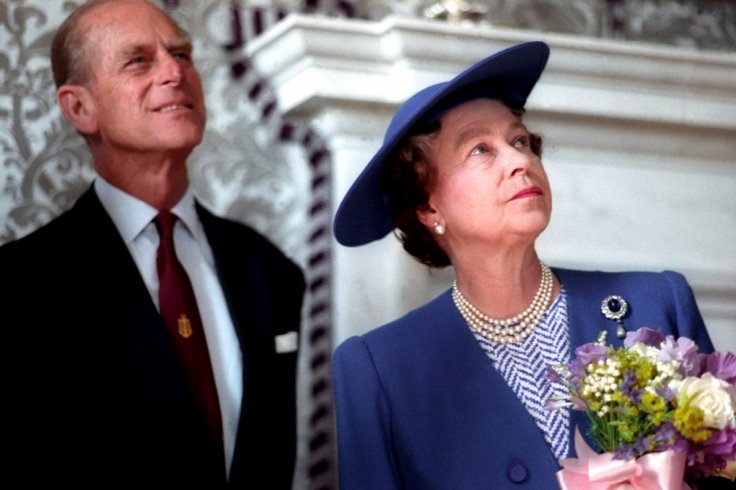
420, 406
94, 394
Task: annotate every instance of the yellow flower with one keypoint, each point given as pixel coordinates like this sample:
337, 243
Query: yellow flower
652, 403
689, 421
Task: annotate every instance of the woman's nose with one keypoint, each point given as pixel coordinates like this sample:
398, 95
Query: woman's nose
515, 161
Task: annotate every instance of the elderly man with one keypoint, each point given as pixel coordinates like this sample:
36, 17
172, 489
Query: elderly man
149, 342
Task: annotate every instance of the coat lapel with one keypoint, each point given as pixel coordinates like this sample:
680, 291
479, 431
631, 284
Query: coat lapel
485, 386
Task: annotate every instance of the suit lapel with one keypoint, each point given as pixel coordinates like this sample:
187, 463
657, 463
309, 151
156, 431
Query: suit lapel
473, 368
127, 298
125, 310
241, 277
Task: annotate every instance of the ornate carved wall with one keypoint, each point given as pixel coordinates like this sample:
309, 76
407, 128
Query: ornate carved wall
705, 24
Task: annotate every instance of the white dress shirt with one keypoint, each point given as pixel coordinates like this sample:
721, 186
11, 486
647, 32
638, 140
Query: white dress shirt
133, 219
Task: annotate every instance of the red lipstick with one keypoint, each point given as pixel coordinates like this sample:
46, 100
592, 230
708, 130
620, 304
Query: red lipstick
528, 192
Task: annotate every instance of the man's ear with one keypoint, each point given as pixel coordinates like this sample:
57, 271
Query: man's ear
78, 107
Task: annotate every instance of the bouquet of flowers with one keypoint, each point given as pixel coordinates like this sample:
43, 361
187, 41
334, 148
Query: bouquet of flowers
660, 412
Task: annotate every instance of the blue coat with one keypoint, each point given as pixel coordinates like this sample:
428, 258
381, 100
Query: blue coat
420, 406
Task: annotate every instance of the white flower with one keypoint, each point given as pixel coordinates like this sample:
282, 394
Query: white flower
645, 351
714, 396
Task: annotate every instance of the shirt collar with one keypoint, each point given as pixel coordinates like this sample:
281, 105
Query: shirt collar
131, 215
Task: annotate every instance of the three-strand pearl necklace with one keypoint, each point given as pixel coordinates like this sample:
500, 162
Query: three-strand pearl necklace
508, 330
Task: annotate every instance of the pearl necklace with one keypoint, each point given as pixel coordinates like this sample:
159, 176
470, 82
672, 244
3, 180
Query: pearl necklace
508, 330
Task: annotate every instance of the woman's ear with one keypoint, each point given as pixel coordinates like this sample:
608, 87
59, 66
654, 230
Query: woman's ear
78, 107
429, 217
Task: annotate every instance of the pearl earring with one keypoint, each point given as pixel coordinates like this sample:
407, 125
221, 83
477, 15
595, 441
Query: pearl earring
439, 228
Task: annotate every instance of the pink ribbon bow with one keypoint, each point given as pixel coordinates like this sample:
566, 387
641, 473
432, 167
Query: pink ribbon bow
592, 471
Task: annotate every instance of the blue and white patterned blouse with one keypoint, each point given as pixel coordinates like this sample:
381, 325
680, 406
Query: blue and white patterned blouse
524, 367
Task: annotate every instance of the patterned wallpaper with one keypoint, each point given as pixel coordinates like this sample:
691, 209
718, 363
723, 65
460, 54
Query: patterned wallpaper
44, 164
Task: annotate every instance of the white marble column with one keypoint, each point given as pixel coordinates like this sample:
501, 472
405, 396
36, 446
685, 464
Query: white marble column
640, 149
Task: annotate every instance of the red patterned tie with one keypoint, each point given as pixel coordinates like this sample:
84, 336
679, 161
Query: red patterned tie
180, 314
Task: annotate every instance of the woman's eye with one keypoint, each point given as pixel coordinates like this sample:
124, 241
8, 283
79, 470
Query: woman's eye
479, 150
521, 142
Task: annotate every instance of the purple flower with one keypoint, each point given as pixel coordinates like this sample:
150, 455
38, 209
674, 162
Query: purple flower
644, 335
627, 387
642, 444
625, 452
556, 404
722, 442
635, 396
589, 353
680, 444
711, 455
684, 351
628, 381
578, 403
721, 365
577, 372
666, 436
552, 375
666, 433
665, 392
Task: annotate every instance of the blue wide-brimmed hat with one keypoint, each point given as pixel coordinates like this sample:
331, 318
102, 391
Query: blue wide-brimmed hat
364, 215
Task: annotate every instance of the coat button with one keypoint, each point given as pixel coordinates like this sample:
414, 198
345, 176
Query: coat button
517, 472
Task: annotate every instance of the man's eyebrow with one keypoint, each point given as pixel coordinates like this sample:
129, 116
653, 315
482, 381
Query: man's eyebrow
181, 43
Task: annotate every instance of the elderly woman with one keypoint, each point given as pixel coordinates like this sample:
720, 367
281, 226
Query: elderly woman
451, 395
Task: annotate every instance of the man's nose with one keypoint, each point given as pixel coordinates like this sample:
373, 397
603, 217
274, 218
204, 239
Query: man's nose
169, 69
